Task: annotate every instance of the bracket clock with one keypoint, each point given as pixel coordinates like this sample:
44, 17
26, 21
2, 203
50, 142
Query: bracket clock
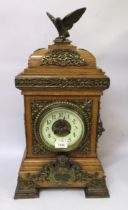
62, 87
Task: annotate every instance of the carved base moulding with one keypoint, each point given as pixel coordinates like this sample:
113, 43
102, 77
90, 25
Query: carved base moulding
61, 172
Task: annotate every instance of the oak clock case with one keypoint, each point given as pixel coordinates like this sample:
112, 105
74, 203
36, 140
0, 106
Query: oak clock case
62, 87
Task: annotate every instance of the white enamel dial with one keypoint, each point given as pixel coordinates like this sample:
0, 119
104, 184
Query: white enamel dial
61, 128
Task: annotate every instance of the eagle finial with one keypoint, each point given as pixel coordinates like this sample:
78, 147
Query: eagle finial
63, 25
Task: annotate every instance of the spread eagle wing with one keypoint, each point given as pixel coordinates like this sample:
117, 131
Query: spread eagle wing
52, 18
72, 18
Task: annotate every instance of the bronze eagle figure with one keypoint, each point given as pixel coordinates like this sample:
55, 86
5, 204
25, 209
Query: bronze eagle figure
63, 25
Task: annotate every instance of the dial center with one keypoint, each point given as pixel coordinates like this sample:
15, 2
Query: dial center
61, 127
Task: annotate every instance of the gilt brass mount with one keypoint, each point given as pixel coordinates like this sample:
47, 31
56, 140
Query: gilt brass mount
63, 57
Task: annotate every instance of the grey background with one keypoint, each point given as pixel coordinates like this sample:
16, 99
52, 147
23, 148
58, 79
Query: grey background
103, 30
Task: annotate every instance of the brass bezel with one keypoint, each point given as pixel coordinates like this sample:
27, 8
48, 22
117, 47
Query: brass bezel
65, 105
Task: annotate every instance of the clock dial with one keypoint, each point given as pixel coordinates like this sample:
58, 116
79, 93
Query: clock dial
62, 129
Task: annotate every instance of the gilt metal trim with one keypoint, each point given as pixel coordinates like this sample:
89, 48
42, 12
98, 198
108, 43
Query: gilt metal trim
38, 82
64, 171
63, 57
100, 128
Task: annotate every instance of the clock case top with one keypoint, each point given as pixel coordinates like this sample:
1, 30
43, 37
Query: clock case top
62, 66
62, 74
